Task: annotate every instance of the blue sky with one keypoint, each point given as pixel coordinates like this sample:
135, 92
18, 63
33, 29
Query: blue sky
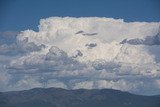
17, 15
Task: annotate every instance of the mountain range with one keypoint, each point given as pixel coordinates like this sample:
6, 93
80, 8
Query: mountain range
58, 97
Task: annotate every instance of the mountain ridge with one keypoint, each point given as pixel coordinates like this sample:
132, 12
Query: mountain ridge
58, 97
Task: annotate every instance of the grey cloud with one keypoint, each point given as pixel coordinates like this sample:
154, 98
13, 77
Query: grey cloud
89, 34
77, 53
91, 45
19, 48
54, 60
26, 46
86, 34
102, 64
79, 32
7, 49
8, 37
149, 40
56, 64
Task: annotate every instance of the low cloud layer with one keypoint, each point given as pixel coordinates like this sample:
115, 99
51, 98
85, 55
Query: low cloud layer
91, 53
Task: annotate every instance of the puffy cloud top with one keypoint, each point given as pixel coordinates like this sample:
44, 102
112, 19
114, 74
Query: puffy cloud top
85, 53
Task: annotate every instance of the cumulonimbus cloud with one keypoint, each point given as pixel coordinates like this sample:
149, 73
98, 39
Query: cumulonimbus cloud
85, 53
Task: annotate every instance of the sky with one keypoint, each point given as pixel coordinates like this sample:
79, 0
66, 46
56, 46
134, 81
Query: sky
102, 44
18, 15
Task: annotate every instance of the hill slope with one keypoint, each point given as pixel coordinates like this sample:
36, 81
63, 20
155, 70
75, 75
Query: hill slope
56, 97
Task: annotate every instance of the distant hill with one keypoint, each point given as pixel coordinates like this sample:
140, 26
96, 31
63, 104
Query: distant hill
56, 97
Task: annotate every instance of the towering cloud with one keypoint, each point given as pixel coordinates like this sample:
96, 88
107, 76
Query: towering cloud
84, 53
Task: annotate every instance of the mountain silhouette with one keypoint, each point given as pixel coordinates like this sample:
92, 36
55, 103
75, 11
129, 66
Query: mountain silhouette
57, 97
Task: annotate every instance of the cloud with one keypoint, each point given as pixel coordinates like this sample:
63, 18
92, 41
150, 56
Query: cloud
54, 60
87, 53
149, 40
8, 37
6, 48
25, 46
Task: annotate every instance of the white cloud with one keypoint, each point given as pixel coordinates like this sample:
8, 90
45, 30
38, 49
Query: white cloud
4, 79
55, 83
24, 84
84, 53
84, 84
